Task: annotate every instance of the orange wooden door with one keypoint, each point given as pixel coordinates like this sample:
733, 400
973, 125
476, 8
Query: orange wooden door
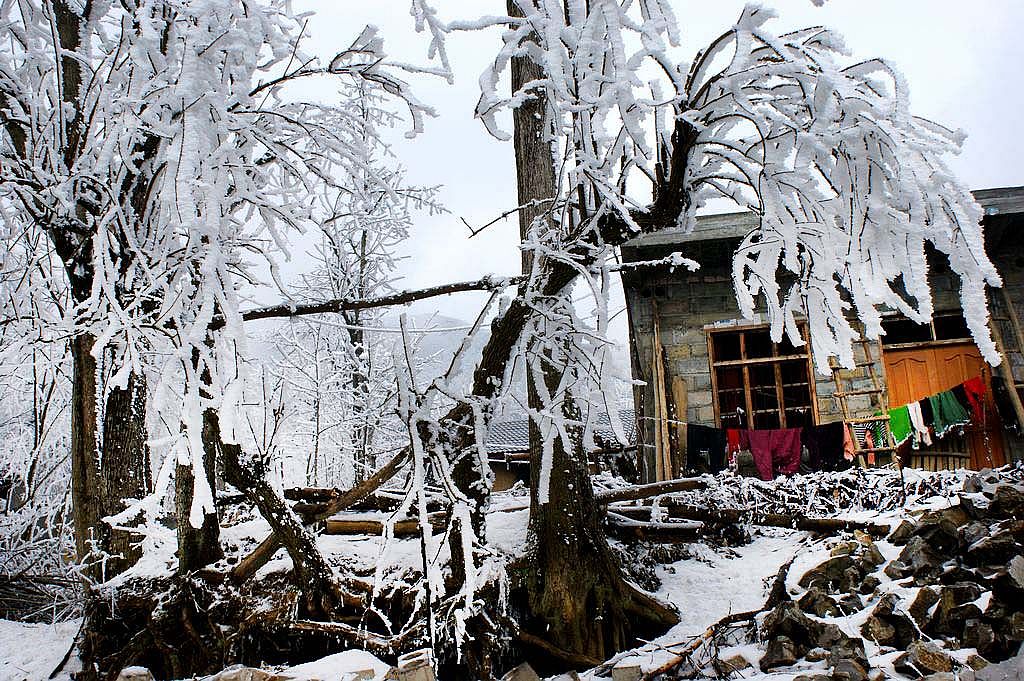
917, 373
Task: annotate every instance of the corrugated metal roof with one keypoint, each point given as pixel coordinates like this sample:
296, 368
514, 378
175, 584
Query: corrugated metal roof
513, 436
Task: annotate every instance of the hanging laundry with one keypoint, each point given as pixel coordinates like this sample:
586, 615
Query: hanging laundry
825, 446
974, 388
961, 396
948, 413
1004, 405
732, 439
927, 416
920, 433
849, 448
775, 451
705, 448
863, 435
899, 424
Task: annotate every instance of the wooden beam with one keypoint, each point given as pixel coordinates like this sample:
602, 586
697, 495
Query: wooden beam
680, 399
1004, 367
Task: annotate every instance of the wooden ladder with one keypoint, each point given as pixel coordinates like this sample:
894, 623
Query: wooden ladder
880, 399
1009, 314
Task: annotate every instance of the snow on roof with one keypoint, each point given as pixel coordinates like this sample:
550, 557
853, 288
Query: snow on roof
513, 436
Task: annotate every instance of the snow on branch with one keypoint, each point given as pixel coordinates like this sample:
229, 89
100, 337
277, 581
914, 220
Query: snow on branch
393, 299
849, 186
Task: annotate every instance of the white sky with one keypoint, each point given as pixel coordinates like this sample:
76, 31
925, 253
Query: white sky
962, 60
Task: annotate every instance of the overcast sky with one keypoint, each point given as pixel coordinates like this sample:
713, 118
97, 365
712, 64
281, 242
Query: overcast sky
962, 60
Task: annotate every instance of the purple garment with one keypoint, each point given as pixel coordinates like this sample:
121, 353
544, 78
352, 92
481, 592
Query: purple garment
775, 451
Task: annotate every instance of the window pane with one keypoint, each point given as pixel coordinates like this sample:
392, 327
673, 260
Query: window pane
793, 371
729, 378
787, 348
732, 403
951, 327
796, 395
758, 344
726, 346
762, 375
766, 421
798, 418
899, 330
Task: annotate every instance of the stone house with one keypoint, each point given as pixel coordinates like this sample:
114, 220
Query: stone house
703, 364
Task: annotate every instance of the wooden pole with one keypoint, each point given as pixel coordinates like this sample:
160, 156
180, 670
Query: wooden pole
680, 398
663, 461
1011, 383
1004, 367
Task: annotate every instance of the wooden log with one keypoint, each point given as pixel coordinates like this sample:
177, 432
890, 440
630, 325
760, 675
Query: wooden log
248, 566
662, 438
356, 637
680, 400
312, 495
407, 527
650, 490
627, 528
739, 515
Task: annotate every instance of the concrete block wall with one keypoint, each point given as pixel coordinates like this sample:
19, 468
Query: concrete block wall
690, 302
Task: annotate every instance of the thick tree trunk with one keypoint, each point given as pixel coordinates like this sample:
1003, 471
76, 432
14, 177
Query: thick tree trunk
124, 469
99, 486
198, 547
578, 600
85, 474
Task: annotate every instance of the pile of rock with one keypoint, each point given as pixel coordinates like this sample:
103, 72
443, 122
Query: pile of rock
951, 602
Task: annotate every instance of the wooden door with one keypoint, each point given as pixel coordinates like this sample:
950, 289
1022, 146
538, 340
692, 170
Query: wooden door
916, 373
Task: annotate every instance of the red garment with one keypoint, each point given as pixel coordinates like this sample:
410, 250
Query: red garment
775, 451
732, 438
848, 447
975, 389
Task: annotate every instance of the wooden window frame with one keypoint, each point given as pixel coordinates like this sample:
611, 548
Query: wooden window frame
932, 341
775, 360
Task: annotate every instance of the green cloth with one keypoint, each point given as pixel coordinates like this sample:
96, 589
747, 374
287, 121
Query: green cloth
899, 424
947, 412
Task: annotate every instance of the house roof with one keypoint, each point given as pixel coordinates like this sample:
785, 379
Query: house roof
513, 436
996, 201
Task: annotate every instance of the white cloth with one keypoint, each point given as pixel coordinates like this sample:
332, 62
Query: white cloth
920, 432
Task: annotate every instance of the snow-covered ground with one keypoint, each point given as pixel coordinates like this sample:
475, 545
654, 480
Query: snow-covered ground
705, 586
30, 652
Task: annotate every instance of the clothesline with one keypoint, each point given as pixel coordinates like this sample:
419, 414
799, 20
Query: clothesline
940, 413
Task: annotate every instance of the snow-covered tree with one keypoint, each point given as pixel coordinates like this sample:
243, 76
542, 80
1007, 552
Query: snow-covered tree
848, 185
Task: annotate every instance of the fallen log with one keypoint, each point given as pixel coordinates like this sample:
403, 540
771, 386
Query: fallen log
624, 528
248, 566
650, 490
736, 516
407, 527
796, 522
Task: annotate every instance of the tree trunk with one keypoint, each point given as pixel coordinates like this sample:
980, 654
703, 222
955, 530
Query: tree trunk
124, 469
362, 433
85, 488
198, 547
577, 598
311, 572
